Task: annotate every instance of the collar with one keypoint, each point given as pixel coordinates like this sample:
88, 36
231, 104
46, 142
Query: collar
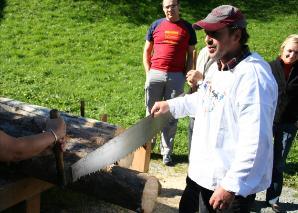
231, 64
283, 63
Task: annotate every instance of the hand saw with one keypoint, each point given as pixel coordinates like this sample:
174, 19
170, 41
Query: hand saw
119, 146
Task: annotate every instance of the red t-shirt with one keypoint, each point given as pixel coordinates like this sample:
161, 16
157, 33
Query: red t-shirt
170, 44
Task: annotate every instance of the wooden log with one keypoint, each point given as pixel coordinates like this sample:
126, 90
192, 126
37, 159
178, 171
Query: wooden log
32, 118
124, 187
84, 135
136, 191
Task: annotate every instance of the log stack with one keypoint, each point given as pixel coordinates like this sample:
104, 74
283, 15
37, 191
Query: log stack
122, 186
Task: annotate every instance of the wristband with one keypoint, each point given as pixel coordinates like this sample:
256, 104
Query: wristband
56, 138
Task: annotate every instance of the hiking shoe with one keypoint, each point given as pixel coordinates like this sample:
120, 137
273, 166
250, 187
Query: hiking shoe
167, 160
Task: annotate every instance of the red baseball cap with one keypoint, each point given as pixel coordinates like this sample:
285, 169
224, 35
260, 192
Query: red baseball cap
220, 17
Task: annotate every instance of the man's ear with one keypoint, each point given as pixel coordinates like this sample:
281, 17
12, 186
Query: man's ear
237, 35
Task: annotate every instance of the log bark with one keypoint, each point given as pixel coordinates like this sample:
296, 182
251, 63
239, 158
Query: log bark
130, 189
127, 188
83, 136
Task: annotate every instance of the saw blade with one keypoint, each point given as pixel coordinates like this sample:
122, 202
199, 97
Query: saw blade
119, 146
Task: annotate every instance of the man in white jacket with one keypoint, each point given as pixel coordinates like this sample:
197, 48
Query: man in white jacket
231, 155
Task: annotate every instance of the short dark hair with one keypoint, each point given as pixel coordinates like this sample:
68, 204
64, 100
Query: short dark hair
163, 0
244, 34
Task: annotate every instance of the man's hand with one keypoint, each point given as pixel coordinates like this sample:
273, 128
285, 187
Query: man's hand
159, 108
193, 77
221, 199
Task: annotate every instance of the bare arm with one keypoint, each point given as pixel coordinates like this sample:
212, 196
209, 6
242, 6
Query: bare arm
14, 149
147, 55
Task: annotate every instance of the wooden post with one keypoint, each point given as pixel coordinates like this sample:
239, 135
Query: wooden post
141, 158
82, 108
33, 204
104, 117
58, 155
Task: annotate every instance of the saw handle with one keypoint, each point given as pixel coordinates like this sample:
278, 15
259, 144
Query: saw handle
194, 59
58, 155
194, 64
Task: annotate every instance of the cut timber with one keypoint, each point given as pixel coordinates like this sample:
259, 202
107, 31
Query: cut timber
134, 190
138, 190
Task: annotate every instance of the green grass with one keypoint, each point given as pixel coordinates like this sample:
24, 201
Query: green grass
55, 53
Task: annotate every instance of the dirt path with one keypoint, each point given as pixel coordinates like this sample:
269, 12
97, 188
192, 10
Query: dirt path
173, 184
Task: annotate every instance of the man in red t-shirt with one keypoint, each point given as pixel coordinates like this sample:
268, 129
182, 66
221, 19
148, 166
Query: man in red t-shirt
167, 55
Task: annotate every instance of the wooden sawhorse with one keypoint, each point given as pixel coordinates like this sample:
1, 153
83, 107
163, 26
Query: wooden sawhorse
25, 189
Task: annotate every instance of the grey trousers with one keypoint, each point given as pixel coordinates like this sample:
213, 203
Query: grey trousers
163, 86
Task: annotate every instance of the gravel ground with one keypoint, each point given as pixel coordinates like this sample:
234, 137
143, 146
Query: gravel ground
173, 184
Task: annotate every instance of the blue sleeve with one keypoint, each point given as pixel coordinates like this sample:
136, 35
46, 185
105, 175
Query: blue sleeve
192, 33
149, 35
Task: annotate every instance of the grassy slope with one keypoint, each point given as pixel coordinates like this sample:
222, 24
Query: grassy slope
54, 53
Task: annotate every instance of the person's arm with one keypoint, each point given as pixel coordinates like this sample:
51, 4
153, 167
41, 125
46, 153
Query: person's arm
147, 55
15, 149
179, 107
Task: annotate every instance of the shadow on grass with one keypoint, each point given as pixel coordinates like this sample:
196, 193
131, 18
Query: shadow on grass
254, 9
2, 6
145, 12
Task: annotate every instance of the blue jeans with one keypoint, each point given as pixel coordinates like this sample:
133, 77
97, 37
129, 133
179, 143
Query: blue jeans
284, 135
